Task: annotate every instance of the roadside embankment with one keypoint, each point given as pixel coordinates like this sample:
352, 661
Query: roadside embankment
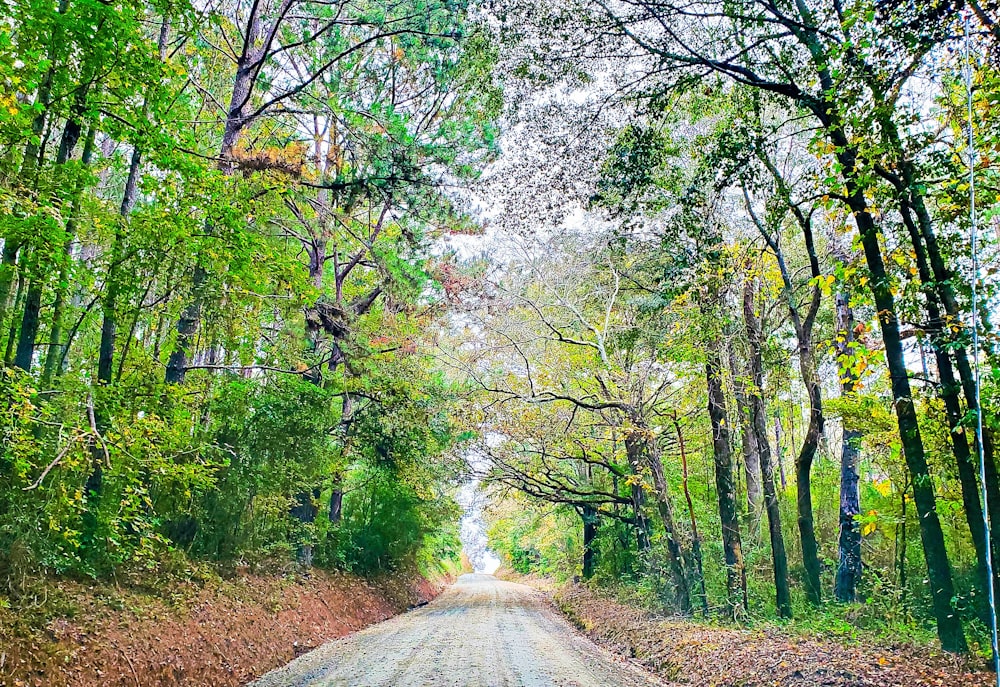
701, 655
210, 632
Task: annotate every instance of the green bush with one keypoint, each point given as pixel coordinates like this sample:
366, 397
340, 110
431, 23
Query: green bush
387, 526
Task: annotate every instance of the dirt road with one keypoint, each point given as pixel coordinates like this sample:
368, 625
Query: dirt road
480, 632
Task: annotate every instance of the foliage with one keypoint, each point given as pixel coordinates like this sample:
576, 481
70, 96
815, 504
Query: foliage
218, 229
783, 168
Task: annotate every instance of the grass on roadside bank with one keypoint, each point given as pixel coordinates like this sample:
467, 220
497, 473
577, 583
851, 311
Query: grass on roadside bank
763, 653
865, 623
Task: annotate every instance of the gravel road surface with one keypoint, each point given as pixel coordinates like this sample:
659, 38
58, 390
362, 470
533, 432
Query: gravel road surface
480, 632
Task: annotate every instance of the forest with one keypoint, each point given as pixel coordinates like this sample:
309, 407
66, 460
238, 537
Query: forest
699, 296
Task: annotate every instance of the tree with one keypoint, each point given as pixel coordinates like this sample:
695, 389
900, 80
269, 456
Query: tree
849, 568
276, 66
742, 48
560, 309
161, 165
783, 599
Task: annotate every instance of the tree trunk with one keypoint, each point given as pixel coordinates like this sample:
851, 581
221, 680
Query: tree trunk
109, 321
736, 576
590, 525
305, 511
641, 521
807, 368
336, 504
187, 329
751, 453
8, 269
55, 353
695, 536
948, 390
641, 448
949, 626
779, 453
8, 355
92, 499
758, 412
993, 496
803, 468
902, 550
236, 121
849, 567
30, 319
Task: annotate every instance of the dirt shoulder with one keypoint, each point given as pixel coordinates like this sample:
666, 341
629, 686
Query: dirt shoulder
687, 652
217, 632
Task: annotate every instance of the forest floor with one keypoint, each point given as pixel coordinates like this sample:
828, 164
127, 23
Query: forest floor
691, 653
198, 631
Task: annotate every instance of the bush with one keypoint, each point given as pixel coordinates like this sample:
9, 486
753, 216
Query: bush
387, 526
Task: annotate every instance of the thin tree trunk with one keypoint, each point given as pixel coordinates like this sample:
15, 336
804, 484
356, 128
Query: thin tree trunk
337, 488
73, 331
849, 567
783, 598
112, 284
187, 329
8, 270
751, 452
803, 468
55, 352
779, 452
695, 536
590, 525
641, 448
807, 367
109, 319
305, 511
30, 319
736, 576
993, 496
902, 549
8, 355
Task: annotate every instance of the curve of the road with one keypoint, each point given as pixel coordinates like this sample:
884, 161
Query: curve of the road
479, 632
